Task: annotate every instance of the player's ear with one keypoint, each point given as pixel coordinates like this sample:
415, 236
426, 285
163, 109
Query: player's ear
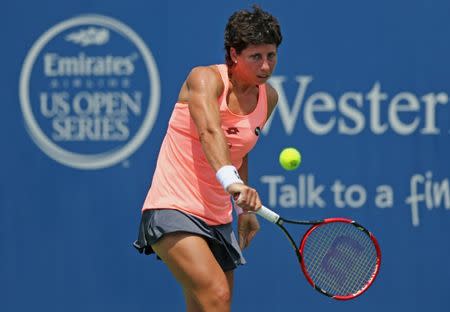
233, 54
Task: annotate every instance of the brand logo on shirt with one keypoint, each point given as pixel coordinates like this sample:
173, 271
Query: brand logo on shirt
232, 130
89, 92
257, 131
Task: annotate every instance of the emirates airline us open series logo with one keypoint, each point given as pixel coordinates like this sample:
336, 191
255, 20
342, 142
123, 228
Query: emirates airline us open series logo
89, 92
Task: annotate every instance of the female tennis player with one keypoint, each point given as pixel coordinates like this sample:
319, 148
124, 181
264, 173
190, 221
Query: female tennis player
203, 163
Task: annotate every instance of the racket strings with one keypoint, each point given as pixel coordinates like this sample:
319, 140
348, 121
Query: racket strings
350, 277
334, 271
339, 258
332, 265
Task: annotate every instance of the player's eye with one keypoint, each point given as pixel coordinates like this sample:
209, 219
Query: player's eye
271, 56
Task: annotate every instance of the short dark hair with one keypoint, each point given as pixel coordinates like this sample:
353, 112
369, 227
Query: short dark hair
245, 27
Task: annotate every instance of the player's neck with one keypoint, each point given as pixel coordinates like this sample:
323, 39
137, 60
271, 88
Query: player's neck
239, 85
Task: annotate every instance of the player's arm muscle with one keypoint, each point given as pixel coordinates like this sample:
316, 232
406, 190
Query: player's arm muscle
204, 87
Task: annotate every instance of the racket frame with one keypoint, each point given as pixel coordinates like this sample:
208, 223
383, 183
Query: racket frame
279, 221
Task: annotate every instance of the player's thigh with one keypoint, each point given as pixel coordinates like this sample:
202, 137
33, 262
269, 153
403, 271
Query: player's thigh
191, 300
190, 259
230, 279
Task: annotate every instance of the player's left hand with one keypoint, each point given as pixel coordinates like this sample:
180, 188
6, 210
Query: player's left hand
248, 225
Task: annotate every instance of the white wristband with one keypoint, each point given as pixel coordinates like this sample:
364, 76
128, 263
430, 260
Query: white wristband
228, 175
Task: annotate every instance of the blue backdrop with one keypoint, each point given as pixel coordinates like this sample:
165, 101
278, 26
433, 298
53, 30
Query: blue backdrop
87, 90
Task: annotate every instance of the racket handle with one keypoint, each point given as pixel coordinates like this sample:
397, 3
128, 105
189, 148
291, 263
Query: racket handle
268, 214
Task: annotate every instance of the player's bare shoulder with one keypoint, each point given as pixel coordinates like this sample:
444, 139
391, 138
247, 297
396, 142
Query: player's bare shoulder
205, 77
272, 99
201, 79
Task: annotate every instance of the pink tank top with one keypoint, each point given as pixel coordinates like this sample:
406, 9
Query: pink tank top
183, 178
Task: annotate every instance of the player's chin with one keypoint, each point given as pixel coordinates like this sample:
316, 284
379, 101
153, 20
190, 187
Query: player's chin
262, 78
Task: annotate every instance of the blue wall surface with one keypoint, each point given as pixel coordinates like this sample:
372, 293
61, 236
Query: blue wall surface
87, 90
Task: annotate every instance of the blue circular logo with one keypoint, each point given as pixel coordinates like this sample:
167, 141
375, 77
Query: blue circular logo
89, 92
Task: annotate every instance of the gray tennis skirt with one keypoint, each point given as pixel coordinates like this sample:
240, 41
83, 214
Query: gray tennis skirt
155, 223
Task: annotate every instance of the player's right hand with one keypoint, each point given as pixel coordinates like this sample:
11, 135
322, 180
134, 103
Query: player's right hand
245, 197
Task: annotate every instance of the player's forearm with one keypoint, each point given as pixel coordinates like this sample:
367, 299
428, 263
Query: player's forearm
215, 147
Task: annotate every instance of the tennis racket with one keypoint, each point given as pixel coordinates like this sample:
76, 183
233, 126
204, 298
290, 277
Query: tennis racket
339, 257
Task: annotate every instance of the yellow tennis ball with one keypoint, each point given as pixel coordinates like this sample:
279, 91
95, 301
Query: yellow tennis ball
290, 158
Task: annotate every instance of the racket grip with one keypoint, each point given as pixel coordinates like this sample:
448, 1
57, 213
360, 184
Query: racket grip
268, 214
